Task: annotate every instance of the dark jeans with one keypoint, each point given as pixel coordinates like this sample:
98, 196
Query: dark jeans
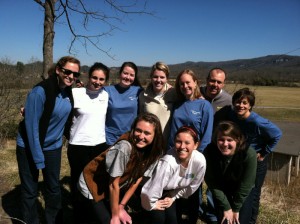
163, 217
29, 175
261, 172
79, 156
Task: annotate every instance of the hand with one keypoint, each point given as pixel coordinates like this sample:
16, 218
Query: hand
160, 205
123, 215
168, 202
260, 157
115, 220
236, 218
227, 217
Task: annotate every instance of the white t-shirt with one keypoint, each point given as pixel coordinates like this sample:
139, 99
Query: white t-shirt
90, 108
171, 176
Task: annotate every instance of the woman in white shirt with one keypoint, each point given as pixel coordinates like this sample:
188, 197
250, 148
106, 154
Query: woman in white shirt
178, 175
87, 132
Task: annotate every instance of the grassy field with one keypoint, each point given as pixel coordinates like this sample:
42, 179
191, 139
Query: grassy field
279, 204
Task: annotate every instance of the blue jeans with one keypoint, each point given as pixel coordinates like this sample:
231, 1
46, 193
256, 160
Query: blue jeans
261, 172
207, 211
29, 175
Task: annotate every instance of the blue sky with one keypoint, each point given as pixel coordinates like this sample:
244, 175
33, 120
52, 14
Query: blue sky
190, 30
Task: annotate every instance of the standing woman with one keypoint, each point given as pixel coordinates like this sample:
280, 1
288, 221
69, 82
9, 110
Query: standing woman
192, 110
112, 178
178, 175
159, 96
87, 133
261, 134
39, 140
123, 102
230, 174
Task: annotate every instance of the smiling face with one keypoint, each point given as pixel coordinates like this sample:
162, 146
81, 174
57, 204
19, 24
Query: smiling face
226, 144
159, 80
127, 77
64, 78
143, 134
184, 145
187, 85
96, 80
242, 108
215, 83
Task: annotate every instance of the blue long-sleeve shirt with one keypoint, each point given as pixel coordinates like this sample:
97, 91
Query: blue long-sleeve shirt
196, 113
262, 134
33, 112
121, 111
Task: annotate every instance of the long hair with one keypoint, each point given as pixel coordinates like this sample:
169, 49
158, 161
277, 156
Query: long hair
141, 160
196, 93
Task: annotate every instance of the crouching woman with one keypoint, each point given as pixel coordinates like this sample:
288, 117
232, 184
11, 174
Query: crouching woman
111, 179
230, 174
178, 175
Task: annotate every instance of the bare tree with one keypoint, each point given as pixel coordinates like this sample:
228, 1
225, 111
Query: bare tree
110, 16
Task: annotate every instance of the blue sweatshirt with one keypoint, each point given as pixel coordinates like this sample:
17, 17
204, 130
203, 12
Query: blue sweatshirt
33, 111
196, 113
121, 111
261, 133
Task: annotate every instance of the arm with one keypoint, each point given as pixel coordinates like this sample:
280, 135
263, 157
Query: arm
247, 180
123, 215
34, 109
114, 193
271, 135
206, 125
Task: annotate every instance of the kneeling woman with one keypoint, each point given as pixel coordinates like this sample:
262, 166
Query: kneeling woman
118, 171
178, 175
230, 175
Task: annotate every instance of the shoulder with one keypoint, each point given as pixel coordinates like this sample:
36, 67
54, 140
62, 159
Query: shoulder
198, 157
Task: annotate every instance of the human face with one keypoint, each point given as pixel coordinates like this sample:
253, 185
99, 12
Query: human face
96, 80
64, 78
242, 108
127, 76
143, 134
215, 83
187, 86
184, 145
226, 145
158, 80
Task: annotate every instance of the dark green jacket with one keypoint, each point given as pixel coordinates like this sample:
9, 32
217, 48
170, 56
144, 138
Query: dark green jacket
230, 179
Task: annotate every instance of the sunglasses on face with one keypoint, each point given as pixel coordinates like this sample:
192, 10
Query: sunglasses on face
69, 72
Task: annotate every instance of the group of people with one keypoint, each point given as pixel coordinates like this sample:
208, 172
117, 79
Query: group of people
151, 149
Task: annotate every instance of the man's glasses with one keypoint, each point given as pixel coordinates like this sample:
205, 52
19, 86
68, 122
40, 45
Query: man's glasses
69, 72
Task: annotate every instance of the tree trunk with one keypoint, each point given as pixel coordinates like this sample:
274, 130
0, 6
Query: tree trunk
48, 37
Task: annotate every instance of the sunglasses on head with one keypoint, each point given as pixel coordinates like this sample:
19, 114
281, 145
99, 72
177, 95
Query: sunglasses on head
69, 72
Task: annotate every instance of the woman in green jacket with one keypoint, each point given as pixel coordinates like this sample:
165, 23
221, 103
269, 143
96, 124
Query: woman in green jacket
230, 174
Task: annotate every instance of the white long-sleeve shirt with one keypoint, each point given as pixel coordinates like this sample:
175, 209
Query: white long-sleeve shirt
171, 176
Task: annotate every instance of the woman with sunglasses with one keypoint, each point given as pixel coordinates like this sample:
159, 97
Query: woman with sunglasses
123, 102
178, 175
39, 140
87, 132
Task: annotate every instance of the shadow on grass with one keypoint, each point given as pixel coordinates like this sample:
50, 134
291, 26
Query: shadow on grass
11, 204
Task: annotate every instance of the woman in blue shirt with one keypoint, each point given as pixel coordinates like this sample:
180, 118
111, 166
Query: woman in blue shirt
39, 140
122, 103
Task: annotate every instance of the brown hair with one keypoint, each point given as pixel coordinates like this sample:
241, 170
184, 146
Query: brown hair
64, 60
141, 160
190, 130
